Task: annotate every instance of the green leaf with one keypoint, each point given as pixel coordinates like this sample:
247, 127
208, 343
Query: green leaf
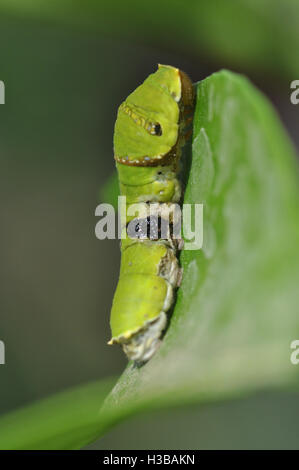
237, 308
236, 312
68, 420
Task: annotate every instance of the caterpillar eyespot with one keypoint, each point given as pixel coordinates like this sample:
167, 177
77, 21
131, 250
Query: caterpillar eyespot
150, 131
158, 130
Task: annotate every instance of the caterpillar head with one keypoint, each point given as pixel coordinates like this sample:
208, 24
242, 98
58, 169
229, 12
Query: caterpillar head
148, 121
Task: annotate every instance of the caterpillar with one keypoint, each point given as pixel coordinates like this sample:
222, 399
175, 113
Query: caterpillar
151, 128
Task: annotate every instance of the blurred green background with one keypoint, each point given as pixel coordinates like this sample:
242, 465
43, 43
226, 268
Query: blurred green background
66, 68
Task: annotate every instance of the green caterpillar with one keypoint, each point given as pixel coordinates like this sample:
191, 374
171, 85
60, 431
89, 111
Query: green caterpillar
150, 130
